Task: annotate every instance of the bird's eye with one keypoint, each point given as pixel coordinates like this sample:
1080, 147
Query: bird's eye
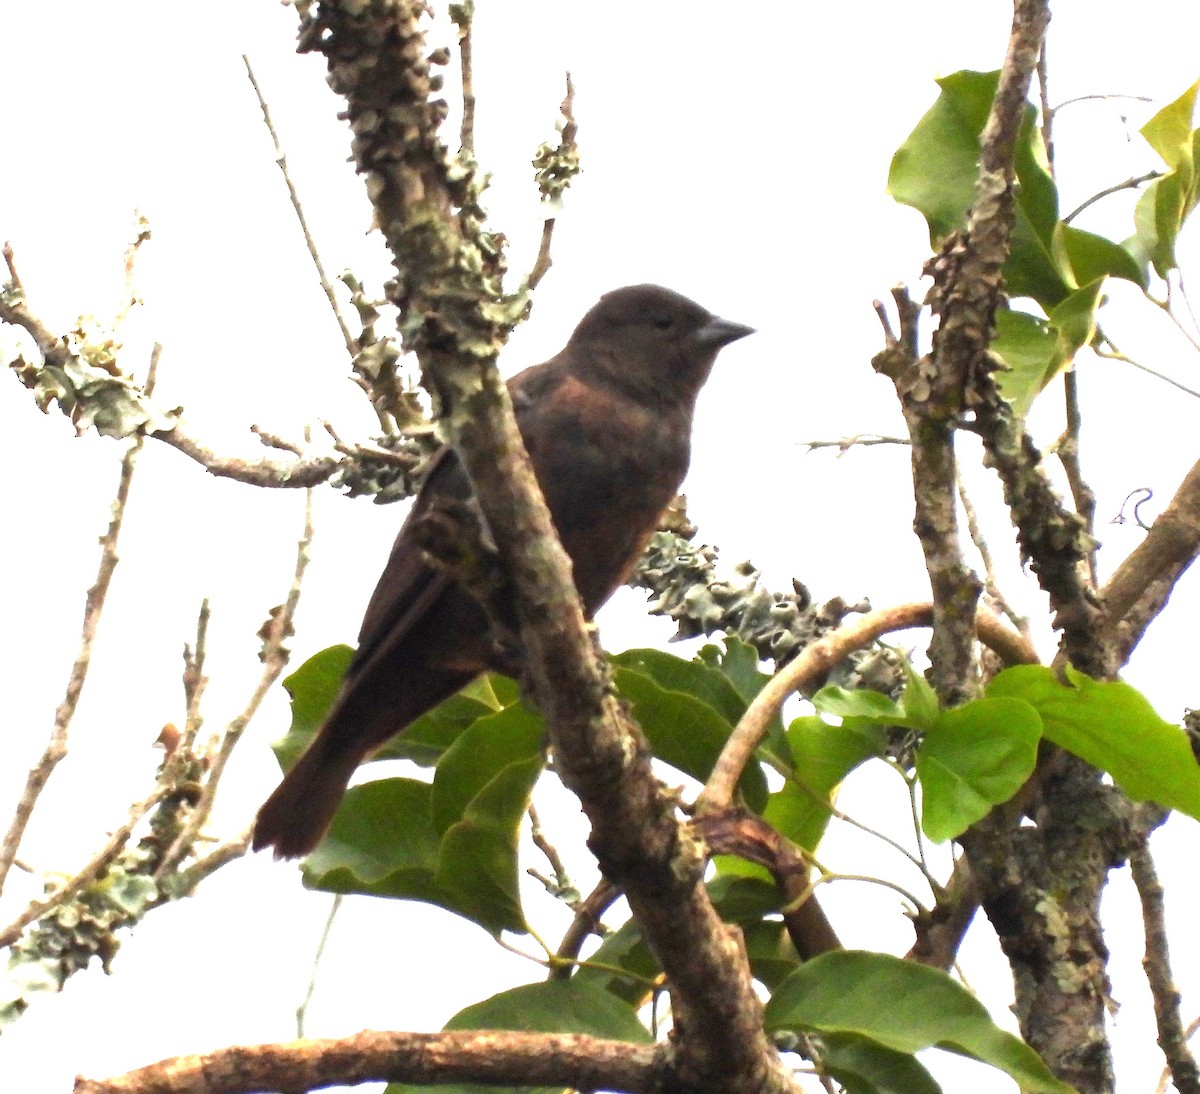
664, 322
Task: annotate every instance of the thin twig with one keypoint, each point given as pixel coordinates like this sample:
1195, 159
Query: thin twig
586, 922
184, 882
129, 295
562, 879
275, 657
302, 1009
1043, 75
1157, 965
1114, 354
463, 14
88, 872
310, 243
1169, 307
559, 166
1067, 450
56, 747
1104, 98
194, 680
1129, 184
859, 440
991, 585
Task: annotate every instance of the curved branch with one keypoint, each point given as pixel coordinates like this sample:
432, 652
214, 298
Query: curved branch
807, 671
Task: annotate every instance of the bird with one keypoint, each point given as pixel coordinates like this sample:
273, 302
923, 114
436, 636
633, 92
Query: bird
607, 423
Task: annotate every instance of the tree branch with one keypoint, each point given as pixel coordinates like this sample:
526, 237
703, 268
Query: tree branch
1142, 583
455, 317
1157, 964
495, 1058
56, 746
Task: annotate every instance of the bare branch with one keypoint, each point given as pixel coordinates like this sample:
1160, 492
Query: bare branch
462, 14
586, 922
88, 873
1157, 964
274, 656
495, 1058
1114, 354
1129, 184
310, 243
56, 746
1152, 569
555, 166
302, 1009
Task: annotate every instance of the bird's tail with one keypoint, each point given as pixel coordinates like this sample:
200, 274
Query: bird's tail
294, 818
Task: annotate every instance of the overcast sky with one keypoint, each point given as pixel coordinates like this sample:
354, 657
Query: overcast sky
737, 154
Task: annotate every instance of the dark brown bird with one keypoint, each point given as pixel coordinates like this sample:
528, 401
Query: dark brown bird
608, 424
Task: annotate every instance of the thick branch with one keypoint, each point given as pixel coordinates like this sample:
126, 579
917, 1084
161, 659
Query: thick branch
499, 1058
448, 292
1152, 569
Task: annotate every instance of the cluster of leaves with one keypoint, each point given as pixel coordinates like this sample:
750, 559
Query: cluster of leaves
1060, 268
454, 841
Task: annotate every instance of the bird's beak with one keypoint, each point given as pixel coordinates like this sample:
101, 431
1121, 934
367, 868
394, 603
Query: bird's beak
720, 332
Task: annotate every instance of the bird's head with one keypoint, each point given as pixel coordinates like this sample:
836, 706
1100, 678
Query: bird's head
653, 341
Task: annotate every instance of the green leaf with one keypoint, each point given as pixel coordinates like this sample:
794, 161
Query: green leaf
1091, 257
864, 1066
1074, 322
726, 678
1037, 350
696, 678
1113, 727
1168, 201
312, 688
769, 948
555, 1006
1026, 344
552, 1006
478, 860
383, 842
935, 170
823, 755
919, 702
624, 949
743, 900
852, 992
976, 756
737, 661
487, 746
857, 703
429, 736
684, 731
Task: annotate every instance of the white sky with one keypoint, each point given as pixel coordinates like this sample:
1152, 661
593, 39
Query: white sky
737, 155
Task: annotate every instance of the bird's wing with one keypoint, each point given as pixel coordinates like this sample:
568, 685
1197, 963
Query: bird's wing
408, 584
